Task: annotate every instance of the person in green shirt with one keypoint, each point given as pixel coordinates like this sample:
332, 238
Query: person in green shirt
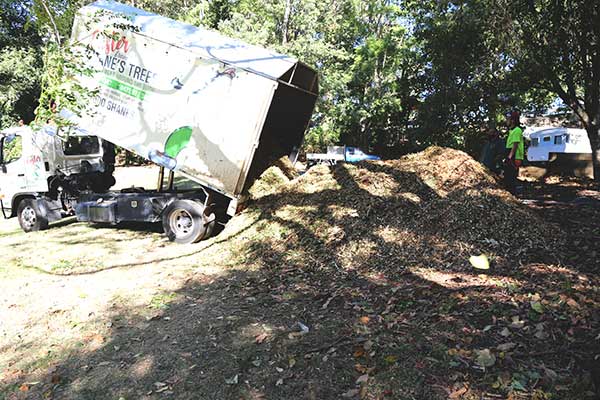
515, 147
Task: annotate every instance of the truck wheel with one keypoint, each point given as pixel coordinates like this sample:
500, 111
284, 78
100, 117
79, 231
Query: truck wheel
184, 222
30, 216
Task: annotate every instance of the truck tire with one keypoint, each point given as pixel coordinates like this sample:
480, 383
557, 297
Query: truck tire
31, 217
184, 222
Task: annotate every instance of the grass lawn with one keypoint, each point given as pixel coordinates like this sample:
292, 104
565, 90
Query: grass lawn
295, 299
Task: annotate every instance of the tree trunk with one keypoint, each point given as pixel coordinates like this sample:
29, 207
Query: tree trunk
492, 104
593, 132
51, 17
286, 21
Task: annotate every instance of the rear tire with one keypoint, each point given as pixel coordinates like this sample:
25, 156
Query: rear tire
184, 221
31, 217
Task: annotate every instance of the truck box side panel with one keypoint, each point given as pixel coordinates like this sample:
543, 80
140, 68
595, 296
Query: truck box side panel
203, 42
198, 116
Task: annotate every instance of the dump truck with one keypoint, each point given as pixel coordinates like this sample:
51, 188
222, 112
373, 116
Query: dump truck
337, 154
212, 109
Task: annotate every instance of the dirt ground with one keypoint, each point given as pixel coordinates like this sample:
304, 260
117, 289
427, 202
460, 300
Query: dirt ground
280, 307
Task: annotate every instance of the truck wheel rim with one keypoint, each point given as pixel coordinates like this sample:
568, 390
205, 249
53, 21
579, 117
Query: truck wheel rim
181, 223
28, 216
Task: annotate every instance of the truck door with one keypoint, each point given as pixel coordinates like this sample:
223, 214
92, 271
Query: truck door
350, 155
12, 169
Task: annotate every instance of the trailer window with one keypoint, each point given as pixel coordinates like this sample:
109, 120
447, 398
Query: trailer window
81, 145
558, 139
546, 138
535, 142
12, 149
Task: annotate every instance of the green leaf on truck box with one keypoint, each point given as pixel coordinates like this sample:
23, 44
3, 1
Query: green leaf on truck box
177, 141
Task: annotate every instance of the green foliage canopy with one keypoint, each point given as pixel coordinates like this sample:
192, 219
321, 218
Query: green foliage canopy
557, 48
395, 75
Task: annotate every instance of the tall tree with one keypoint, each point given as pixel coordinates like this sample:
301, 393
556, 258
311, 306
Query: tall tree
558, 48
362, 52
20, 62
466, 82
20, 70
54, 19
315, 32
380, 95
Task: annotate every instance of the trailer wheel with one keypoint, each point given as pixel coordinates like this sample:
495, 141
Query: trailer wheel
184, 222
31, 218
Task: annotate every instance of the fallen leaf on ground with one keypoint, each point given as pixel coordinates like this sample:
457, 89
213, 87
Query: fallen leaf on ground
360, 368
506, 346
391, 359
359, 353
327, 302
517, 323
261, 338
480, 262
485, 358
537, 307
457, 393
303, 328
505, 332
572, 303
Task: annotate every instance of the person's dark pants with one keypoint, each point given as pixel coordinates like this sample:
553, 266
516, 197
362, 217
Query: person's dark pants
511, 172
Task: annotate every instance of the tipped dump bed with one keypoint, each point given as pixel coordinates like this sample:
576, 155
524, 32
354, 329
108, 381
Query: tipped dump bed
210, 107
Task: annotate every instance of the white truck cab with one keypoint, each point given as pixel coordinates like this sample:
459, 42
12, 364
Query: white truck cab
40, 173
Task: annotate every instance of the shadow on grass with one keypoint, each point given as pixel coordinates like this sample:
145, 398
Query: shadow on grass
368, 313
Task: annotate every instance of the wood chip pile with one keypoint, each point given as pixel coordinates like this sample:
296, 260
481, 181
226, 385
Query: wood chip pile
433, 208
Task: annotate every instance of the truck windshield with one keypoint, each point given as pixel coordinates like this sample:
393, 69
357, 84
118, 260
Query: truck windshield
81, 145
12, 148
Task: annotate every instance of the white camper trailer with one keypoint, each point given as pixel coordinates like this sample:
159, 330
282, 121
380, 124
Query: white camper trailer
559, 150
547, 142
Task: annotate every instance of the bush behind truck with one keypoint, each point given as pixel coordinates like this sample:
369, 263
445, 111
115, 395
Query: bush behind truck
213, 109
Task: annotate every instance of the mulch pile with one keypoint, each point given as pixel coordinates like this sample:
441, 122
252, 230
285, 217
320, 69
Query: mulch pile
438, 206
280, 173
381, 251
